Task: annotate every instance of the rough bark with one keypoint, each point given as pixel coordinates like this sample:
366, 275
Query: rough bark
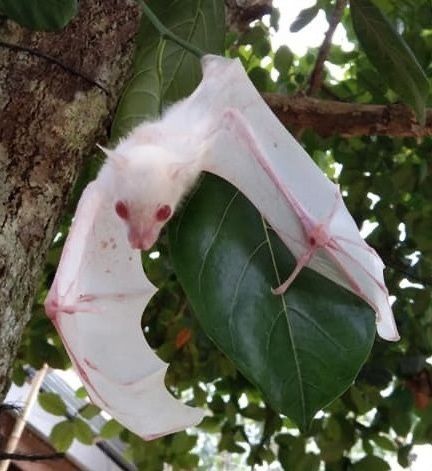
49, 119
329, 117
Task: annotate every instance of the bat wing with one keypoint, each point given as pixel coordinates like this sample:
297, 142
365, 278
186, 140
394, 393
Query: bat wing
249, 147
96, 303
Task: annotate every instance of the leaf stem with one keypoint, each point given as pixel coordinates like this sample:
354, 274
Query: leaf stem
168, 34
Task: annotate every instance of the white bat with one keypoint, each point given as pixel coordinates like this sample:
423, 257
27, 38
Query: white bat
100, 289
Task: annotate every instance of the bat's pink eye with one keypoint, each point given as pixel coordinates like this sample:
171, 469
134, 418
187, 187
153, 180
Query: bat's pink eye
163, 213
121, 210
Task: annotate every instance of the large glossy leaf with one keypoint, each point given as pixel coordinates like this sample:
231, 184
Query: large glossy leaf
302, 350
40, 15
163, 71
390, 54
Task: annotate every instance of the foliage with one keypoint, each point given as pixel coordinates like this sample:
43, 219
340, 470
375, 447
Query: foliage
226, 269
385, 181
390, 55
40, 15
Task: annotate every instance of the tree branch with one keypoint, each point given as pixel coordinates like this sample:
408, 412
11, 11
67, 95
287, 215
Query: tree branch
240, 14
317, 73
329, 117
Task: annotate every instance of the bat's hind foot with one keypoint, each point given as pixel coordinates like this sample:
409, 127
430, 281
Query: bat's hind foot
304, 259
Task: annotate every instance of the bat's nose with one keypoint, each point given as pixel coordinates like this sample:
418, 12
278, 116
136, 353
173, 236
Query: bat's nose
142, 240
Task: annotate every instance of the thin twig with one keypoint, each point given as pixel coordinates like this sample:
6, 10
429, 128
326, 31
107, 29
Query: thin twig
53, 60
36, 457
317, 73
7, 407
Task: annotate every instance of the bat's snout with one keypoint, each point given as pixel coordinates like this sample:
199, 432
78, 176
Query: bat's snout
142, 240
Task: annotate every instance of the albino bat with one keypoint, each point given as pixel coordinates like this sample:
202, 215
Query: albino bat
100, 289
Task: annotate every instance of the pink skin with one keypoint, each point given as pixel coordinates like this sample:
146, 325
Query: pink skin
143, 238
53, 307
316, 233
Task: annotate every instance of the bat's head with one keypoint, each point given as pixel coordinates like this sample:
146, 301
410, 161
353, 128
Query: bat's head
146, 183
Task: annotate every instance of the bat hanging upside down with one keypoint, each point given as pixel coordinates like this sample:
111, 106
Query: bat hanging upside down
224, 128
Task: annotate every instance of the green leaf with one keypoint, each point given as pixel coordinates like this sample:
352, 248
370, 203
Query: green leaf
384, 442
186, 461
89, 411
182, 442
283, 60
260, 78
401, 423
62, 435
163, 72
40, 15
82, 431
370, 463
422, 433
227, 261
304, 18
81, 392
390, 54
253, 35
292, 454
253, 411
110, 429
210, 424
257, 37
52, 403
404, 455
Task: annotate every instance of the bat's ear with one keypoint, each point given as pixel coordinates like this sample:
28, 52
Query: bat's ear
116, 158
176, 170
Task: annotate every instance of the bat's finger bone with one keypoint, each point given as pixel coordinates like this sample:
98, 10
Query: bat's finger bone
367, 272
54, 307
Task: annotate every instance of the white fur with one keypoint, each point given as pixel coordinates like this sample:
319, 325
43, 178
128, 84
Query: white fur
148, 170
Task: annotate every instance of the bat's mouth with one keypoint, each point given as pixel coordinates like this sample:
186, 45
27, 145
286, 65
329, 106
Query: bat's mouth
142, 245
142, 241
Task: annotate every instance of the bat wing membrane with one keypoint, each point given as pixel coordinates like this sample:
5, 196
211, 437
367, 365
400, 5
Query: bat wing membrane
249, 147
96, 303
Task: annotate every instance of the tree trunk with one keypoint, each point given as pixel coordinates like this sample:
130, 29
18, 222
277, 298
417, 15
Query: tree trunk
50, 117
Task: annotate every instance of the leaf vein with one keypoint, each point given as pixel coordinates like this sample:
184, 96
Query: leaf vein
290, 330
218, 229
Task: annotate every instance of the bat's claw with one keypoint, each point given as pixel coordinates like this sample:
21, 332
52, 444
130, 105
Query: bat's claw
51, 307
284, 286
280, 289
